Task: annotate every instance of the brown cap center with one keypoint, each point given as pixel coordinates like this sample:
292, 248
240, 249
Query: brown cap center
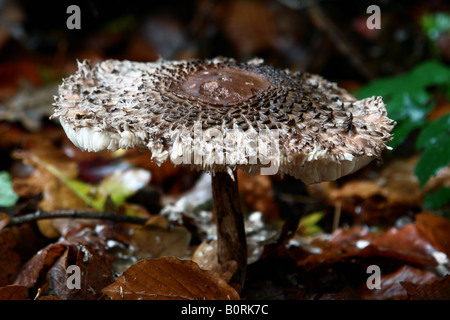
222, 86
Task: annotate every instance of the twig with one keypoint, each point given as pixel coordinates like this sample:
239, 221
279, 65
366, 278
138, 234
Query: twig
73, 214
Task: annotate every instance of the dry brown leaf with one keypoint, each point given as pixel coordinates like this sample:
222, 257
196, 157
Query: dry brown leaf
257, 194
407, 244
391, 193
4, 220
206, 257
12, 135
14, 292
437, 290
391, 284
47, 270
169, 278
154, 242
34, 270
436, 229
9, 259
56, 194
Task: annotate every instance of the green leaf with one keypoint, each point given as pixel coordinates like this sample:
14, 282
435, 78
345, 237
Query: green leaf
433, 131
308, 224
406, 97
122, 184
437, 199
118, 186
426, 74
85, 191
435, 156
435, 140
402, 130
435, 24
8, 197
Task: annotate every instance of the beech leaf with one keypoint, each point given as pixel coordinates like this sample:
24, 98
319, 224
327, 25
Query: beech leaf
169, 278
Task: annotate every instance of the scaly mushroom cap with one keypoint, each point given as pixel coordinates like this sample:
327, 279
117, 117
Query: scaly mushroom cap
220, 115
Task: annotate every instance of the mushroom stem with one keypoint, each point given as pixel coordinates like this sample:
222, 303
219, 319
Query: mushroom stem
232, 244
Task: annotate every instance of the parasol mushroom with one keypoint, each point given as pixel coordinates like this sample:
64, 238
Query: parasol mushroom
218, 116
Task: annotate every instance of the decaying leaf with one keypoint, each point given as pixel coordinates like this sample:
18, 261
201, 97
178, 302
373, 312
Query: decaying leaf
391, 193
41, 153
169, 278
9, 259
55, 176
14, 292
437, 230
437, 290
406, 244
206, 257
257, 194
4, 220
34, 270
85, 250
154, 241
391, 287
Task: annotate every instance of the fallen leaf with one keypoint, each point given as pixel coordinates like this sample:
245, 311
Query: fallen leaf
4, 220
33, 271
376, 196
206, 257
47, 270
9, 259
154, 242
257, 194
42, 155
437, 290
14, 292
169, 278
406, 244
436, 229
391, 287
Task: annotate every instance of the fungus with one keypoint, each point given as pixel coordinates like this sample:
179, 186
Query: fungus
219, 116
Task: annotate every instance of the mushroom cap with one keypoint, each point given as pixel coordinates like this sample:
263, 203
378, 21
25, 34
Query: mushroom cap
220, 115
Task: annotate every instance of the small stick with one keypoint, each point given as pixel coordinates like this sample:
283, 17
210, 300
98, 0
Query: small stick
74, 214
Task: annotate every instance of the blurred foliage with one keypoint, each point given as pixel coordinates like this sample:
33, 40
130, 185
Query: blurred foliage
434, 26
8, 197
309, 224
410, 97
116, 187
